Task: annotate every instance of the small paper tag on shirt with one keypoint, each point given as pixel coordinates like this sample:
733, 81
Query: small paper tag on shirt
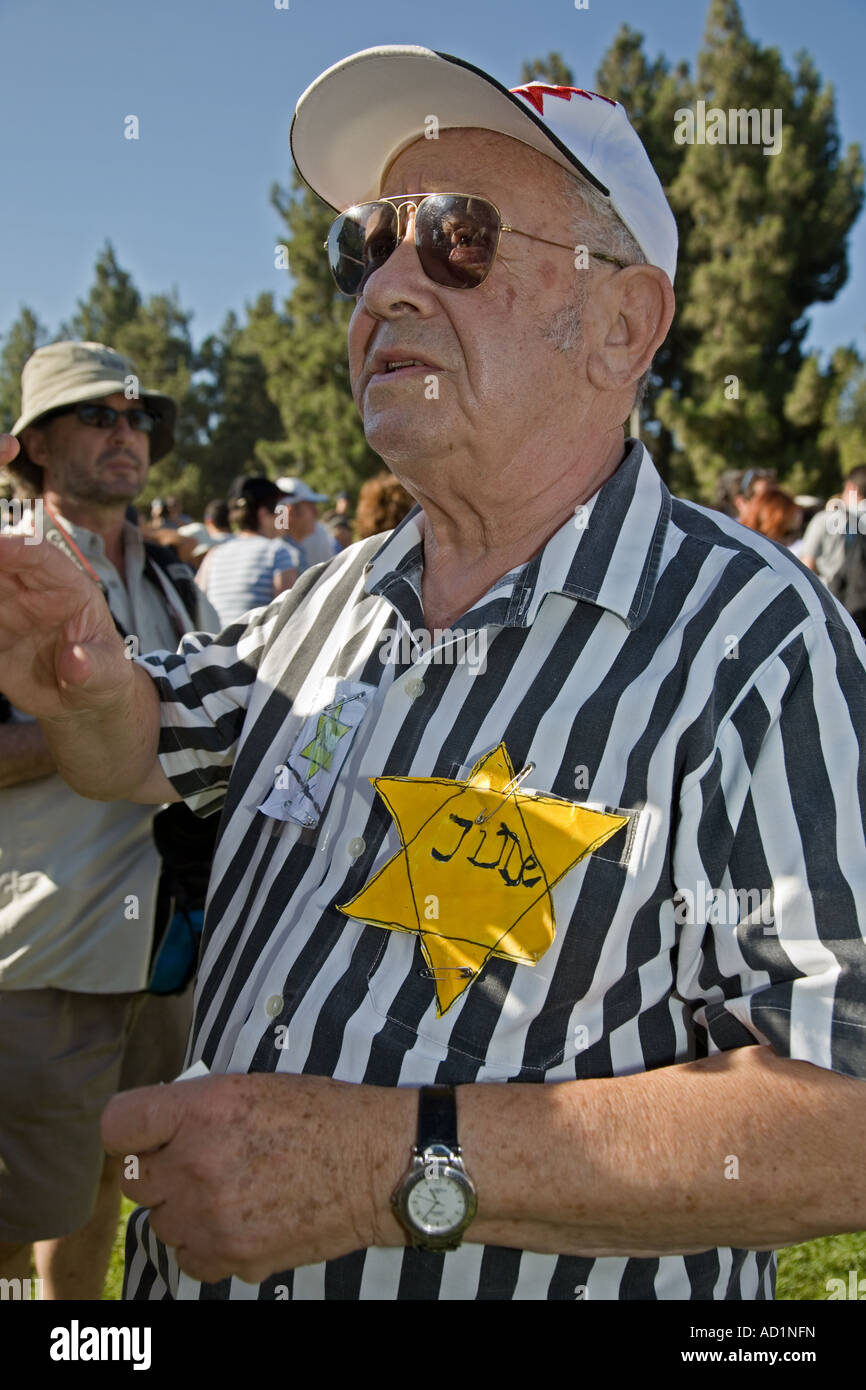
197, 1069
305, 780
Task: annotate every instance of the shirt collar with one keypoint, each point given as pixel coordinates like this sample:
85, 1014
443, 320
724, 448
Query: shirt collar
607, 554
92, 545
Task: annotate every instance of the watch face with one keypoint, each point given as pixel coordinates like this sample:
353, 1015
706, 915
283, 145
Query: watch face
437, 1205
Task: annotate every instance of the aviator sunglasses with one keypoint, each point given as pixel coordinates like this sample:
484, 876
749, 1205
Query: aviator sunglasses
105, 417
456, 237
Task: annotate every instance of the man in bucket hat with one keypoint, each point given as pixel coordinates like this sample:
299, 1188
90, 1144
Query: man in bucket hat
78, 878
454, 991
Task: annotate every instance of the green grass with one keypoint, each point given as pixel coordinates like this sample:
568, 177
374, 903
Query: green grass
803, 1269
113, 1286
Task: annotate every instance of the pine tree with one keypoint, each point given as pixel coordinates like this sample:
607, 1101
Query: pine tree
22, 340
159, 342
111, 304
827, 408
239, 411
763, 236
650, 93
304, 353
553, 69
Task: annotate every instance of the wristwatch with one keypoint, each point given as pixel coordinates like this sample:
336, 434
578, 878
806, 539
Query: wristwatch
435, 1199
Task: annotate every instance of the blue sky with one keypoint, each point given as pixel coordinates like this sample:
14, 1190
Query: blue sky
214, 82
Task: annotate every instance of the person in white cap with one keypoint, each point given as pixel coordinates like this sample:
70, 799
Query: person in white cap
534, 943
303, 525
78, 878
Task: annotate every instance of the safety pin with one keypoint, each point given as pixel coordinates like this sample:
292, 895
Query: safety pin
442, 972
509, 787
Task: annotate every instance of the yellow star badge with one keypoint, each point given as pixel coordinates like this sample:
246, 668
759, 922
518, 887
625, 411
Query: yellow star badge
320, 750
477, 863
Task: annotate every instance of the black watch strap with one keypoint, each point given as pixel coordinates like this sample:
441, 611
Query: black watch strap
437, 1117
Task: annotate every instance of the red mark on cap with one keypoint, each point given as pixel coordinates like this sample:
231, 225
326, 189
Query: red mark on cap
536, 93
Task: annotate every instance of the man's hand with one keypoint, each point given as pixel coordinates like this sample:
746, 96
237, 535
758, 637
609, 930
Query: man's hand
59, 648
63, 661
251, 1175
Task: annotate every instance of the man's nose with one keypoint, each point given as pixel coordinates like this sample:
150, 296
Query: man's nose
400, 282
122, 428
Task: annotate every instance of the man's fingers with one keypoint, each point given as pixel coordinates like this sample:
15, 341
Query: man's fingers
136, 1122
38, 562
9, 448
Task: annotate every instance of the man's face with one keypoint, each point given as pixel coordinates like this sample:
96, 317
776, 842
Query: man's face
304, 517
490, 370
87, 464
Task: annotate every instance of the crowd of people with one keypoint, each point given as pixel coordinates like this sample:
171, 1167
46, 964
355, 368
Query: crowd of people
829, 537
251, 546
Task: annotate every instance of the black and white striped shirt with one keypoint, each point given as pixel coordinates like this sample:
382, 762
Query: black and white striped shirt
653, 658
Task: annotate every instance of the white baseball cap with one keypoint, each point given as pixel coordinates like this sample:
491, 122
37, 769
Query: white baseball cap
354, 120
297, 490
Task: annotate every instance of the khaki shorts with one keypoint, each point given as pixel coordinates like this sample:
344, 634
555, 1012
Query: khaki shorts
63, 1055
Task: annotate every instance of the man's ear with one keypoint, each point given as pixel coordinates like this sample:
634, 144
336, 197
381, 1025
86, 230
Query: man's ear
631, 314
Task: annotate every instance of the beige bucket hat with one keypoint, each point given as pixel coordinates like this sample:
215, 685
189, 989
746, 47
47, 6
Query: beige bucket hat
69, 372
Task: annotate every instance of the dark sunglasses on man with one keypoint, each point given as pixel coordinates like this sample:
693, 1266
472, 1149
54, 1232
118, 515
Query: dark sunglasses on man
104, 417
456, 237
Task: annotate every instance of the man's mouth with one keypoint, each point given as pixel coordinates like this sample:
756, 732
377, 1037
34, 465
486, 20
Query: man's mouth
396, 362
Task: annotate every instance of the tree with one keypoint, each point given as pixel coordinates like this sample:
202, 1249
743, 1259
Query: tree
111, 304
22, 340
233, 391
552, 69
159, 342
304, 354
650, 93
762, 237
827, 408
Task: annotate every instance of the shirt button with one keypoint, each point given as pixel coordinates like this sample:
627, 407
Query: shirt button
357, 846
274, 1006
414, 687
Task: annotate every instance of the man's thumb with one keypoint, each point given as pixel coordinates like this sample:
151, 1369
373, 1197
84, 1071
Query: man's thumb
94, 668
137, 1122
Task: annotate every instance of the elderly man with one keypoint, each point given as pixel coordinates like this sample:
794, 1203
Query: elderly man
827, 536
623, 859
78, 878
302, 523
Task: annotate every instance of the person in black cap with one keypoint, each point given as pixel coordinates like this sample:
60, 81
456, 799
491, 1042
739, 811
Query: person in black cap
260, 562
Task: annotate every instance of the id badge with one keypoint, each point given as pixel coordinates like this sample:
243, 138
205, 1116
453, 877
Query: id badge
305, 780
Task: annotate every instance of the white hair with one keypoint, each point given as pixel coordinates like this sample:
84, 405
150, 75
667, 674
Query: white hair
595, 225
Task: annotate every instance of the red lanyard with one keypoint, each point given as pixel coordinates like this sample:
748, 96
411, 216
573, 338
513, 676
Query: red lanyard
72, 546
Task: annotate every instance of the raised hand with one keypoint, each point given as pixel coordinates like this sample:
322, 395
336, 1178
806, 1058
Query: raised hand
60, 653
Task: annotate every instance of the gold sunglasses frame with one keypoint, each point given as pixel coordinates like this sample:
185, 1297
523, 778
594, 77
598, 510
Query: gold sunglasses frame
416, 202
